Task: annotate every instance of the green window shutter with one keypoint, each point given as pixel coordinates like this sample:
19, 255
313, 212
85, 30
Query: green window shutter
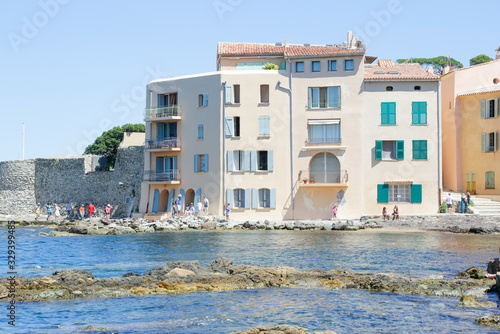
382, 193
483, 142
400, 145
283, 66
416, 193
378, 150
423, 149
414, 113
392, 113
384, 113
423, 112
416, 149
483, 108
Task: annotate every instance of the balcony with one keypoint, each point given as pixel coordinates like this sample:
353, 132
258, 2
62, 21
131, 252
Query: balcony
171, 112
170, 176
322, 178
330, 143
164, 144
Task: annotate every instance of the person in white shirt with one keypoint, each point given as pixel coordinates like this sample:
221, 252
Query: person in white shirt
449, 203
205, 205
199, 207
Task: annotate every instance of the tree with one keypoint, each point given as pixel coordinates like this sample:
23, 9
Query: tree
438, 62
480, 59
271, 66
107, 143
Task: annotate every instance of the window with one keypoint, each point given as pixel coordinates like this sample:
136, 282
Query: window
420, 149
489, 142
332, 65
349, 65
262, 160
200, 132
388, 113
167, 100
324, 97
324, 131
264, 198
166, 130
316, 66
239, 160
239, 198
200, 163
236, 91
389, 150
236, 122
419, 113
203, 100
489, 180
264, 129
389, 88
489, 108
397, 193
299, 66
417, 88
264, 93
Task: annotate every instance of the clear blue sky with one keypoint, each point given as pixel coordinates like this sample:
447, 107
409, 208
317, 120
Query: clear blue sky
72, 70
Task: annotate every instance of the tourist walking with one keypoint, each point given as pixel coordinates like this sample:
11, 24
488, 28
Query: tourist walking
227, 211
76, 214
395, 213
174, 207
468, 198
49, 211
463, 203
179, 203
199, 207
335, 209
108, 212
384, 213
91, 209
37, 211
449, 203
82, 211
68, 209
57, 214
205, 205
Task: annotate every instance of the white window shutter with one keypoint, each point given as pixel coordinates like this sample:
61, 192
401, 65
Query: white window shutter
255, 198
483, 108
229, 197
196, 163
496, 108
270, 164
229, 161
205, 164
273, 198
253, 161
248, 198
229, 94
229, 126
246, 161
483, 142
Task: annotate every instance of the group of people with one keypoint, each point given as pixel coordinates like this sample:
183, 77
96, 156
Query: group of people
464, 203
395, 213
189, 210
76, 212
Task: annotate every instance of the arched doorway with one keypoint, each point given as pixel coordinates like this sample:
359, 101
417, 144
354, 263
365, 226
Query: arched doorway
190, 197
162, 206
324, 168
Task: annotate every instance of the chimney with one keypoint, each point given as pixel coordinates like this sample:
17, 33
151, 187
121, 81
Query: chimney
498, 53
446, 69
349, 39
430, 69
287, 43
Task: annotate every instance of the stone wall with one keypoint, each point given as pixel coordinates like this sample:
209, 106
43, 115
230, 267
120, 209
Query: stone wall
76, 180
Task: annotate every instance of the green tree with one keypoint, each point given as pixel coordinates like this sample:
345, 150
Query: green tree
480, 59
437, 62
271, 66
107, 143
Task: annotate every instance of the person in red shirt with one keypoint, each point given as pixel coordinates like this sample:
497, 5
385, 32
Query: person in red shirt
108, 212
91, 209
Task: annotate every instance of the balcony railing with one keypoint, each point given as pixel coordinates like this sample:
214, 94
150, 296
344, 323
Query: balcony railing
322, 176
329, 140
168, 175
163, 143
171, 111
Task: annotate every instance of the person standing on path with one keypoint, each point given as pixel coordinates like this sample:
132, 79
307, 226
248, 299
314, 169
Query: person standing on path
91, 209
205, 205
179, 204
228, 211
335, 209
68, 209
37, 211
76, 213
449, 203
82, 212
199, 208
49, 211
463, 204
108, 212
57, 214
468, 198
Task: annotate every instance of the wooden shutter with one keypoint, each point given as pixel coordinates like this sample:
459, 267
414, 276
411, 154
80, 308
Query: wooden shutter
423, 112
246, 161
159, 165
229, 197
248, 198
495, 114
229, 126
423, 149
494, 141
255, 198
205, 100
229, 161
273, 198
196, 163
416, 193
270, 164
183, 199
229, 94
483, 142
391, 110
400, 146
156, 200
200, 132
384, 113
383, 193
378, 150
253, 161
160, 130
170, 199
483, 108
414, 113
205, 166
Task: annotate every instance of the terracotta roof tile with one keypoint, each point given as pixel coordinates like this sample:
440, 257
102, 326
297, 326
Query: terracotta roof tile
391, 71
293, 50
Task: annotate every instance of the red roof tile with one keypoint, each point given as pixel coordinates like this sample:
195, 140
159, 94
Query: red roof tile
272, 50
387, 70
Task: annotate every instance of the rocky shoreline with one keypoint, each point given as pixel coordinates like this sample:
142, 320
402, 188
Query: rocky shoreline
456, 223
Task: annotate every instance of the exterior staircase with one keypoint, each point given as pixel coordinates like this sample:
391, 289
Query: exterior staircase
482, 206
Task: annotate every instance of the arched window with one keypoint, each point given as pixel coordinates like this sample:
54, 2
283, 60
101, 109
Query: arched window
324, 168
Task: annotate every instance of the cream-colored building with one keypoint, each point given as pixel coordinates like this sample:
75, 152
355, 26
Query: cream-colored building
470, 99
291, 142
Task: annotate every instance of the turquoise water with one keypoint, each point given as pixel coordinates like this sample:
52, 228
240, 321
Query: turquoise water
415, 254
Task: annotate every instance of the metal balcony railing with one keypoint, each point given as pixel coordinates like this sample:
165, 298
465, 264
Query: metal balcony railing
170, 111
164, 143
166, 175
322, 176
329, 140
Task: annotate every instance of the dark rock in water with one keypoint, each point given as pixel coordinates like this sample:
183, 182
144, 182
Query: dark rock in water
194, 266
221, 265
78, 229
462, 275
470, 301
490, 321
130, 275
476, 273
68, 275
280, 329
